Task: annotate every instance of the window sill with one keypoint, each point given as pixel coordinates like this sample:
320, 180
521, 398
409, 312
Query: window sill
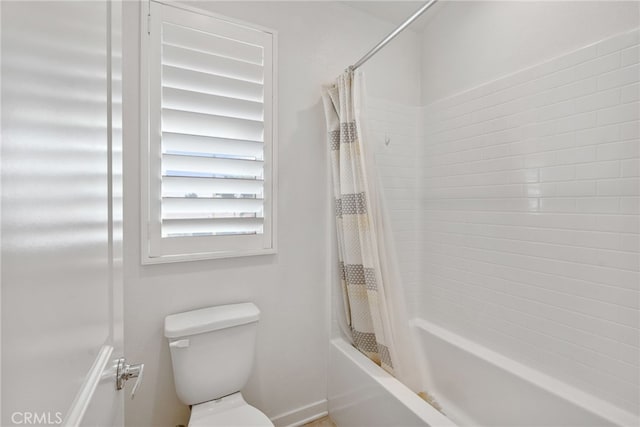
149, 260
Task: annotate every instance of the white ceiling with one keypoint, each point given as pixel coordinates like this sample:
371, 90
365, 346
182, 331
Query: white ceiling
395, 12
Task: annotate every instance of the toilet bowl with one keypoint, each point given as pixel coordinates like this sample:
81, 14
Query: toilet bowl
230, 411
212, 353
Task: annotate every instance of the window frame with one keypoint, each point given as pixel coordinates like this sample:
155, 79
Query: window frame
193, 248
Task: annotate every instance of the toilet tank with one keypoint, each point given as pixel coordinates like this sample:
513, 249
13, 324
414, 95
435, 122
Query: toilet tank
212, 350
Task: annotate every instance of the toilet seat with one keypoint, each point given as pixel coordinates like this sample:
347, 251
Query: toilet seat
230, 411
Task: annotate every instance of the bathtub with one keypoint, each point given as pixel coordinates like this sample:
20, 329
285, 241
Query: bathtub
361, 394
474, 385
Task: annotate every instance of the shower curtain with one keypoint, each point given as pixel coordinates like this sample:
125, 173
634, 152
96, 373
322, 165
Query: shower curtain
372, 291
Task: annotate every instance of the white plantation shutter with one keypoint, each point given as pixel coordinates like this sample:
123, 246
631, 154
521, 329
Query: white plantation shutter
209, 158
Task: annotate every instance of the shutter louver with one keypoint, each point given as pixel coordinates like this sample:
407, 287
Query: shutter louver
215, 208
213, 82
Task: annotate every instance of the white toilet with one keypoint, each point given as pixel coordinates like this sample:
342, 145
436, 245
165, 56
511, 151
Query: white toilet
212, 352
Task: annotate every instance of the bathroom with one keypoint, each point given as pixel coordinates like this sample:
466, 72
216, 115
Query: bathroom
505, 138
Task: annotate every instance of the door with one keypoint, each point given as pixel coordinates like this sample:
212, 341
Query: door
60, 213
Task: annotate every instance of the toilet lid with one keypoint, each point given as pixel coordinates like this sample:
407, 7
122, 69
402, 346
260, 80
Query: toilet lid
227, 414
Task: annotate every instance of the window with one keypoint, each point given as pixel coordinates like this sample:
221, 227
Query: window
208, 164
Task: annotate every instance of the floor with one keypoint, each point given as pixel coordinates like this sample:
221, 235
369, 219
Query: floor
322, 422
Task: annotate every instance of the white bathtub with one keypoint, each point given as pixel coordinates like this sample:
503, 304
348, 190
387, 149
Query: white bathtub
361, 394
479, 387
474, 385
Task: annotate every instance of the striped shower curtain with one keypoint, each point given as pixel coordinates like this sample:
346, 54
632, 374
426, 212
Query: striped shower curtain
363, 289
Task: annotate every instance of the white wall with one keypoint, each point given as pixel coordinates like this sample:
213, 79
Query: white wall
316, 42
531, 190
468, 43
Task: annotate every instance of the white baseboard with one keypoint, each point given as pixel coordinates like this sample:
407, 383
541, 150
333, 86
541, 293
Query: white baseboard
302, 415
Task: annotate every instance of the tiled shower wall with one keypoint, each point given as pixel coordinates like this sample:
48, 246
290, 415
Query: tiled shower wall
529, 215
393, 130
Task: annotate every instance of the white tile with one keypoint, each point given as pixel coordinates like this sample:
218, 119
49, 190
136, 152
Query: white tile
619, 114
630, 56
546, 143
535, 130
576, 122
540, 160
631, 205
537, 190
561, 109
496, 151
619, 187
621, 77
558, 205
597, 66
598, 135
618, 150
616, 224
558, 173
554, 80
598, 101
571, 59
576, 188
598, 205
630, 93
618, 42
577, 155
596, 170
630, 130
630, 168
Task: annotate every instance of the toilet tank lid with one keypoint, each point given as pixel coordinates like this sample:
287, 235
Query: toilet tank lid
210, 319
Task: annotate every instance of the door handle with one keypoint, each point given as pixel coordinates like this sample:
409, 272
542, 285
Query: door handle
126, 371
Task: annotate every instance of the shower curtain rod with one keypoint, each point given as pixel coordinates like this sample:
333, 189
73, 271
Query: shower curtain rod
392, 35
